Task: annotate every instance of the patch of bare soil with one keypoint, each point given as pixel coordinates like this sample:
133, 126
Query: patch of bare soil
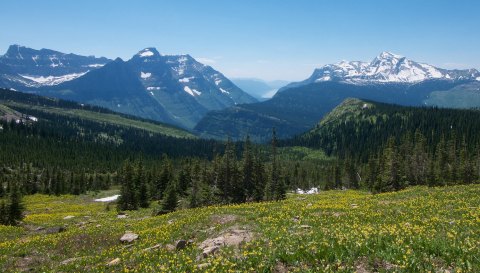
222, 219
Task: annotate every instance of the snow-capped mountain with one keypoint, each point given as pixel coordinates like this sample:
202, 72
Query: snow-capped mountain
175, 89
167, 74
386, 68
25, 68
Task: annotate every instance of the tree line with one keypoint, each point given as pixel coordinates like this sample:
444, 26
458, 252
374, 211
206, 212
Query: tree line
226, 179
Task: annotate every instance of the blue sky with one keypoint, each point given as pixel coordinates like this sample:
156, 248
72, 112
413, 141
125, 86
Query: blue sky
284, 39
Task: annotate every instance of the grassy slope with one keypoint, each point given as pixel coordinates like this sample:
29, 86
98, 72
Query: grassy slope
415, 230
303, 154
112, 119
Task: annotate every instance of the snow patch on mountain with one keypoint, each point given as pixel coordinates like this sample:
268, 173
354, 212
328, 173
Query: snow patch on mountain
146, 53
324, 78
55, 61
95, 65
187, 79
192, 92
52, 80
145, 75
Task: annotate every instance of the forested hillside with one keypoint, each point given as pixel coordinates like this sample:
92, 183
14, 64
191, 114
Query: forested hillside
58, 147
385, 147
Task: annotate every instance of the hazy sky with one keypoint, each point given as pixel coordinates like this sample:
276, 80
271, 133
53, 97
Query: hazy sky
284, 39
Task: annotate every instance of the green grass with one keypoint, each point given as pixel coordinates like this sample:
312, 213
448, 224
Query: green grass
349, 109
113, 119
416, 230
303, 154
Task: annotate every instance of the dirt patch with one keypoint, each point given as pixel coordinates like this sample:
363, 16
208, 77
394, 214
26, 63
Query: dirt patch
361, 266
222, 219
30, 262
384, 202
280, 268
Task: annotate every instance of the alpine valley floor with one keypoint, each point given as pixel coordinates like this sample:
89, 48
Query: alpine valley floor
419, 229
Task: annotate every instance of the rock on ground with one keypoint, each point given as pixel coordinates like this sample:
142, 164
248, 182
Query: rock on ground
129, 237
234, 237
114, 262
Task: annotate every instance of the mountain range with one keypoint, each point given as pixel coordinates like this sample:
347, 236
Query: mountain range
179, 90
388, 78
175, 89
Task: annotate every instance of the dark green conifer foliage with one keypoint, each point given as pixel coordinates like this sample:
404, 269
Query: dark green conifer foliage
170, 199
3, 213
142, 185
15, 206
194, 196
128, 193
248, 185
227, 174
259, 178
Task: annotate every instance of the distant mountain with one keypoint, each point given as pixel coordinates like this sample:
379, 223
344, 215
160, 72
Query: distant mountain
385, 68
175, 89
388, 78
260, 89
25, 68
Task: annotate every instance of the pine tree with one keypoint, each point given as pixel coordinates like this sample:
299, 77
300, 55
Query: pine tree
275, 189
390, 177
183, 181
247, 172
467, 168
372, 173
432, 179
57, 189
259, 179
15, 206
337, 176
194, 196
227, 175
82, 182
281, 188
442, 172
128, 195
46, 182
170, 200
351, 173
2, 189
75, 184
166, 176
3, 213
452, 159
142, 186
419, 160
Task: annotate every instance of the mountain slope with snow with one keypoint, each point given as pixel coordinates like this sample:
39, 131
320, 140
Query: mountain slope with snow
385, 68
30, 68
175, 89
